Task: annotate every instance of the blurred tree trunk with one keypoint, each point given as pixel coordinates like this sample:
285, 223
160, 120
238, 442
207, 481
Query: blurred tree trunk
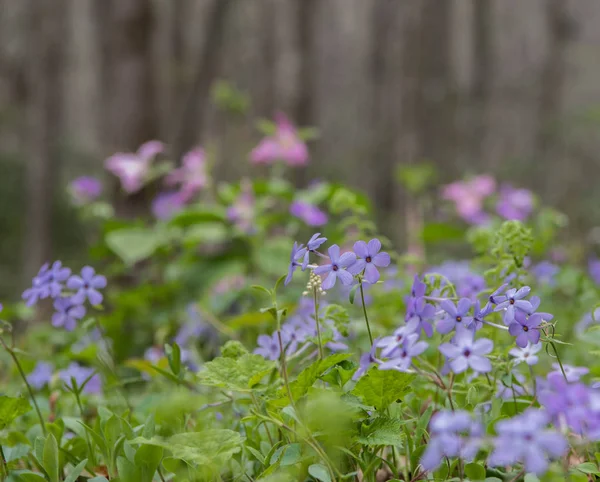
483, 56
304, 111
131, 104
46, 56
189, 123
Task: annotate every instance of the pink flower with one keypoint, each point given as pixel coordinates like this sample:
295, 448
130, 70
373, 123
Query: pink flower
468, 197
191, 176
167, 204
132, 167
85, 189
242, 211
284, 145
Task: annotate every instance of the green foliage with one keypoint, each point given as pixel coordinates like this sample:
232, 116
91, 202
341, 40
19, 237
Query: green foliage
380, 388
382, 431
209, 447
233, 349
240, 375
11, 408
340, 317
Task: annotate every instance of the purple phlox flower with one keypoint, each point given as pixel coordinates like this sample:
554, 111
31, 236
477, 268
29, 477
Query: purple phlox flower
571, 403
418, 289
572, 373
41, 375
367, 360
67, 313
422, 313
87, 286
525, 328
268, 347
132, 168
544, 272
535, 304
468, 197
298, 252
193, 329
493, 298
390, 344
470, 285
309, 213
337, 268
527, 354
587, 320
285, 145
512, 301
467, 283
369, 259
404, 353
524, 439
479, 315
514, 203
452, 434
313, 244
456, 315
48, 283
294, 332
82, 374
191, 176
594, 269
465, 352
167, 204
85, 189
510, 389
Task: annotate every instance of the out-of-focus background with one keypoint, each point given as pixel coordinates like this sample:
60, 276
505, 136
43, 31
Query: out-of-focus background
508, 87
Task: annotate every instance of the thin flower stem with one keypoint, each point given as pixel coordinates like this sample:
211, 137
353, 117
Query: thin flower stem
29, 389
450, 392
87, 435
284, 370
534, 383
505, 328
316, 302
362, 299
562, 369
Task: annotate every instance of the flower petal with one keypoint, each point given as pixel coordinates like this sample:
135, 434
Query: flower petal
360, 248
480, 363
381, 259
464, 305
334, 253
445, 325
347, 259
345, 277
87, 273
459, 365
483, 346
357, 266
448, 307
324, 268
449, 350
374, 247
371, 273
329, 282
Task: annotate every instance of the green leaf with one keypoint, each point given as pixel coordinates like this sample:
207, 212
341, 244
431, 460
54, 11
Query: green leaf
11, 408
382, 431
149, 427
173, 353
339, 315
588, 468
352, 294
132, 244
319, 472
72, 477
475, 471
310, 374
128, 472
209, 447
16, 452
379, 388
50, 458
240, 374
29, 476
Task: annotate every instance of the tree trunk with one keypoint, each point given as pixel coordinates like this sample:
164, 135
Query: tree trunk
46, 54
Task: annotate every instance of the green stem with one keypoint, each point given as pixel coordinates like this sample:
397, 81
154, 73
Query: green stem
87, 435
316, 300
29, 389
558, 360
362, 299
284, 370
4, 464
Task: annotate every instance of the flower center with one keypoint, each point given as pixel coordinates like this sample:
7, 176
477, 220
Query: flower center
467, 352
512, 301
525, 328
334, 267
525, 355
368, 259
459, 318
404, 355
398, 337
86, 285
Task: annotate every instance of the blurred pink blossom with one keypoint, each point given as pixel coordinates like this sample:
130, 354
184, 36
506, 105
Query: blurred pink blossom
284, 145
191, 176
514, 204
167, 204
309, 213
242, 211
132, 167
468, 197
85, 189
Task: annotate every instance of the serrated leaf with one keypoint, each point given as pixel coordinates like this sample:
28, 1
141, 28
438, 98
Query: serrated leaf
379, 388
238, 374
210, 447
588, 468
382, 431
319, 472
339, 315
11, 408
310, 374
